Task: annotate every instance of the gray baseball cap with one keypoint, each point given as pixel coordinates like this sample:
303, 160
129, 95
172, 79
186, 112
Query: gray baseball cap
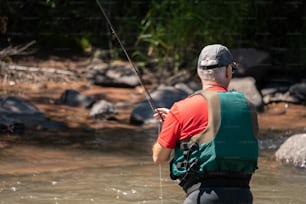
215, 55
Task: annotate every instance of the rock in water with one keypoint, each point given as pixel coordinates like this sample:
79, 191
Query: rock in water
293, 151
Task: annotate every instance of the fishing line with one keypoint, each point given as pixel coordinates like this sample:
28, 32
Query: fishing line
134, 68
161, 184
161, 193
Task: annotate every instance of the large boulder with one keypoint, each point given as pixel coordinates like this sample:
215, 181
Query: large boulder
249, 58
72, 97
103, 110
117, 74
293, 151
17, 113
299, 91
253, 62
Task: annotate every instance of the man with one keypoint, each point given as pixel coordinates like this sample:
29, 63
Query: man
213, 135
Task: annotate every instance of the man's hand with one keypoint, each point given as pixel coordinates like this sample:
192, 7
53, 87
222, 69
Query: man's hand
161, 113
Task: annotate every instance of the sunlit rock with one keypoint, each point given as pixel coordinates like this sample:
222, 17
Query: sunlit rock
293, 151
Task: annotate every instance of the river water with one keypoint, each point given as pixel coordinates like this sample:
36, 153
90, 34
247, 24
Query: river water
115, 166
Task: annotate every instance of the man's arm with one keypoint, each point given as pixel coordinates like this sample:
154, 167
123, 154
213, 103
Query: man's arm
254, 118
160, 154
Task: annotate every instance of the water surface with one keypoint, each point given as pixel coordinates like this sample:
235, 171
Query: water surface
119, 170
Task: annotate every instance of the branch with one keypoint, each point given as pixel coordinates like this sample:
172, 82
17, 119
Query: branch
17, 50
36, 69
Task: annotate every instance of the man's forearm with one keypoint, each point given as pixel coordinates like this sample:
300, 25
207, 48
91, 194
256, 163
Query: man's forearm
160, 153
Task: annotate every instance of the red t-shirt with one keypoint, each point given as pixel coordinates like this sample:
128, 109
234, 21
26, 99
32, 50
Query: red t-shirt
186, 118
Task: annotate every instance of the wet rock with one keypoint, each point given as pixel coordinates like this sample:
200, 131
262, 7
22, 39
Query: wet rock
114, 75
253, 62
18, 113
74, 98
103, 110
298, 91
293, 151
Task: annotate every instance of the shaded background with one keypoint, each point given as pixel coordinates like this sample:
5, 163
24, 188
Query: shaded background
161, 34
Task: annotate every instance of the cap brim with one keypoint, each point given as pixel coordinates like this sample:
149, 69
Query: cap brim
234, 66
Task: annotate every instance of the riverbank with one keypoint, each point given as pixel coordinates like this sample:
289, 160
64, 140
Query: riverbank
45, 94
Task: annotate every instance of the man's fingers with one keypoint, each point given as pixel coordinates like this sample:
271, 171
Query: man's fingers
162, 110
161, 113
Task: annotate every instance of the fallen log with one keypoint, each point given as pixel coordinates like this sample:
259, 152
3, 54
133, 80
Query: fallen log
15, 67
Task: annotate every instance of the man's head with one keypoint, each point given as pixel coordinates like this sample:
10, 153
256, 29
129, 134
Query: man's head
215, 65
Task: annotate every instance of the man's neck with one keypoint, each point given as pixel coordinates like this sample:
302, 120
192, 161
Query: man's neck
204, 87
209, 85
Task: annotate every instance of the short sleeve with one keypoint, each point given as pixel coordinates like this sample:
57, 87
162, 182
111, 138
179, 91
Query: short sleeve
170, 132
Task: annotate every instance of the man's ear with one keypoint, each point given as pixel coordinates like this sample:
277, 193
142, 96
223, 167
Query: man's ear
228, 71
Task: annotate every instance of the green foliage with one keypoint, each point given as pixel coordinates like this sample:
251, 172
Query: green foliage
84, 42
175, 31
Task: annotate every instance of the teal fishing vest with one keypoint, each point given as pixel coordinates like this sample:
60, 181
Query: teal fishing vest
228, 144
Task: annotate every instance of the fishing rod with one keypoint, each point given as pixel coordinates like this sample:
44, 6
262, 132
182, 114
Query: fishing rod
134, 68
